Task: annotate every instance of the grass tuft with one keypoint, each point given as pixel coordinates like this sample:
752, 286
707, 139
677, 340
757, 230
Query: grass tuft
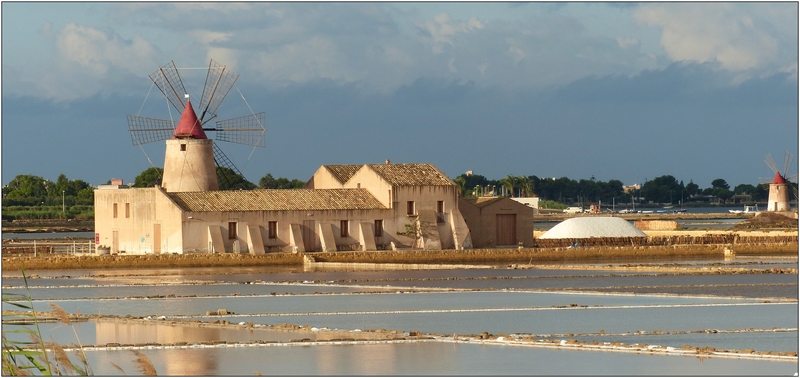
143, 364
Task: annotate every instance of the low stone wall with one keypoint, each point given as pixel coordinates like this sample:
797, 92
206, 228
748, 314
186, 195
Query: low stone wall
482, 256
558, 250
708, 239
150, 261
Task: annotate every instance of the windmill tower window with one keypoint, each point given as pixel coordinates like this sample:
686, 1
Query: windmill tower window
183, 147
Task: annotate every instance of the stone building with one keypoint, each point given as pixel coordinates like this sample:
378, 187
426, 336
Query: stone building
343, 207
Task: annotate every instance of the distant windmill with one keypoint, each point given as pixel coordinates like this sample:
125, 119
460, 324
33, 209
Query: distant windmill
780, 185
191, 158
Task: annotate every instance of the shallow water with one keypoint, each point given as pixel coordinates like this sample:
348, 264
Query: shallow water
551, 321
347, 300
426, 359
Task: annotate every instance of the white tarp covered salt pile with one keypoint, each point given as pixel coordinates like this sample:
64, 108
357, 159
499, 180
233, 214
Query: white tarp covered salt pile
592, 227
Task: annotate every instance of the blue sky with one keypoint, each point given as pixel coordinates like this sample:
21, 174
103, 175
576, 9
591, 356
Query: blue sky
625, 91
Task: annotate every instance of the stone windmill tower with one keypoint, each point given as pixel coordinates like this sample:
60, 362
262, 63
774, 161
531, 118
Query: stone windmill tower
192, 161
780, 187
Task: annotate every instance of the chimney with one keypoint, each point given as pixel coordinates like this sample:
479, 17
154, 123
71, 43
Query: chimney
388, 162
116, 181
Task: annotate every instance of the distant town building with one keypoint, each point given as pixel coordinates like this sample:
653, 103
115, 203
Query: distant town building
631, 188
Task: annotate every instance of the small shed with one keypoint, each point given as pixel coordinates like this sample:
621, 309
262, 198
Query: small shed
497, 221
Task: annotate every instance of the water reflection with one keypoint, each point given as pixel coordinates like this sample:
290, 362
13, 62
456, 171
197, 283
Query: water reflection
432, 358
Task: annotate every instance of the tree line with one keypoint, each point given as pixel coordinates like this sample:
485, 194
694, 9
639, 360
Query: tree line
662, 190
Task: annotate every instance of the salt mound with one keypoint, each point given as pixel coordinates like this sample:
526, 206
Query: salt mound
592, 227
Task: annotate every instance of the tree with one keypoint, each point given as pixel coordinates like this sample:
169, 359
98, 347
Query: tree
24, 186
662, 189
509, 183
719, 184
692, 188
284, 183
722, 193
228, 179
525, 186
267, 182
761, 193
149, 177
461, 183
744, 189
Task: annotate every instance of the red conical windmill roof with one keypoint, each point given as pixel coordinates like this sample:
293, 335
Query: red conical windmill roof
778, 179
189, 126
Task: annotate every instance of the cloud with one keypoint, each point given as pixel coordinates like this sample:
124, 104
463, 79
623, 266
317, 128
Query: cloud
88, 61
442, 30
626, 42
739, 36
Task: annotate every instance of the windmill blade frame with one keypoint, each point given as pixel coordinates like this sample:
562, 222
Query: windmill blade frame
169, 81
222, 161
771, 163
787, 161
219, 82
146, 130
247, 130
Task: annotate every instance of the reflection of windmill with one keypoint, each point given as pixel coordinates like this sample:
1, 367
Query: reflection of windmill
781, 184
190, 158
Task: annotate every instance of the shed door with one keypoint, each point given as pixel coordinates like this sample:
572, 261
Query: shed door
115, 241
506, 229
309, 237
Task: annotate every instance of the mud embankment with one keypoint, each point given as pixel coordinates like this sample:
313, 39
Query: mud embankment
471, 256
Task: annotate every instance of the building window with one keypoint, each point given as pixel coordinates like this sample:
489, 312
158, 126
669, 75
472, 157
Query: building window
127, 210
410, 208
378, 228
439, 211
343, 227
115, 210
231, 230
273, 230
183, 147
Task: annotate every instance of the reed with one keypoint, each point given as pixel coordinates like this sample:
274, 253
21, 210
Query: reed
34, 356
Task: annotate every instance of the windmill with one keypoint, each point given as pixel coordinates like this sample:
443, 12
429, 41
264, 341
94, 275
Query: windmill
780, 185
193, 162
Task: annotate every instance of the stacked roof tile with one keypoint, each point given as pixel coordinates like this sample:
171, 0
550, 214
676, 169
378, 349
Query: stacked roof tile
396, 174
343, 172
411, 174
276, 200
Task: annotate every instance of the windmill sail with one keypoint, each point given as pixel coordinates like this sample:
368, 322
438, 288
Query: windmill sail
219, 81
148, 130
247, 130
168, 80
226, 170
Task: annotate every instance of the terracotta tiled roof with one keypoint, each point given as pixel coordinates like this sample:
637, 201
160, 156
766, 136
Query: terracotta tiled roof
276, 200
411, 174
343, 172
483, 201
